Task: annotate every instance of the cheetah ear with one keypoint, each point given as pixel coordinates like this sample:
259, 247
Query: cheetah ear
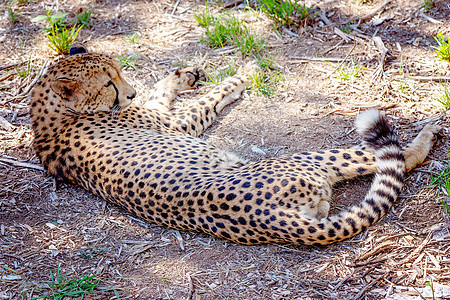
77, 49
64, 88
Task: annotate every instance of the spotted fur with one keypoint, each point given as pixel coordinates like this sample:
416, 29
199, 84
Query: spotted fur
149, 160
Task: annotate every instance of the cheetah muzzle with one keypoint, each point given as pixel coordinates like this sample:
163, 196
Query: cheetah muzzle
149, 160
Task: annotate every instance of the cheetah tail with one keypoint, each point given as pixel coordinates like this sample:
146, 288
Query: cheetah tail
375, 131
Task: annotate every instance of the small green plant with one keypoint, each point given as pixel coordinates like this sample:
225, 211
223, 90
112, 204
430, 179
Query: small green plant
84, 18
61, 39
92, 253
265, 83
404, 86
444, 98
59, 36
127, 61
265, 63
443, 48
204, 18
349, 71
24, 69
430, 284
217, 76
134, 38
226, 30
285, 12
12, 16
248, 43
345, 28
428, 4
57, 20
442, 183
60, 286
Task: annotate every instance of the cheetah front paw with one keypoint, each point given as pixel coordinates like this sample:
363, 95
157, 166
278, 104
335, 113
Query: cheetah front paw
189, 78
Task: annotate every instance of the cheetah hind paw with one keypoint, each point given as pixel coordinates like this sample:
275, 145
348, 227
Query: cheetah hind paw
416, 152
433, 129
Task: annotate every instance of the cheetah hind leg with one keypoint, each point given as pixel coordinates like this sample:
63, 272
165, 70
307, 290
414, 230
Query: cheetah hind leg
165, 90
416, 151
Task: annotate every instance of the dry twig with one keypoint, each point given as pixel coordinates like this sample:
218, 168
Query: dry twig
5, 124
380, 45
371, 14
21, 164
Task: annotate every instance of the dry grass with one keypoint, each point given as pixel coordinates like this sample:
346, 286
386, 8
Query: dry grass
44, 224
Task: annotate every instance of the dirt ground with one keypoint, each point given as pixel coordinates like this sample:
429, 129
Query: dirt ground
44, 226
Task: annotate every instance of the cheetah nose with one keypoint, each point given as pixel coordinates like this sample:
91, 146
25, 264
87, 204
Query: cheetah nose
132, 95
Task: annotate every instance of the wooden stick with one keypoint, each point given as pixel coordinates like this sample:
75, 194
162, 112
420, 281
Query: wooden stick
430, 19
191, 286
375, 250
12, 65
233, 3
6, 76
363, 290
21, 164
380, 45
368, 262
416, 251
371, 13
346, 57
5, 124
36, 78
297, 59
429, 78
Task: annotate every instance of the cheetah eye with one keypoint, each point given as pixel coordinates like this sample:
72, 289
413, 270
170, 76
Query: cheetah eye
109, 83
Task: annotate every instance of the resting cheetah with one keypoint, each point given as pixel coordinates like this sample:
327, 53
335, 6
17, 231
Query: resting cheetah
150, 161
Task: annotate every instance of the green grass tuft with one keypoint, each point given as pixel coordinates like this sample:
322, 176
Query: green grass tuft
265, 83
62, 39
88, 254
444, 98
216, 76
25, 69
127, 61
265, 63
12, 15
226, 30
442, 182
84, 18
345, 28
428, 4
204, 18
349, 71
134, 38
59, 287
59, 35
288, 12
443, 48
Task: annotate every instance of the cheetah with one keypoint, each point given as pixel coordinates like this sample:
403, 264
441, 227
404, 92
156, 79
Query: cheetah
149, 160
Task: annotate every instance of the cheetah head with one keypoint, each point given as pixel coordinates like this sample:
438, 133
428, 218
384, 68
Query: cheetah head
87, 83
